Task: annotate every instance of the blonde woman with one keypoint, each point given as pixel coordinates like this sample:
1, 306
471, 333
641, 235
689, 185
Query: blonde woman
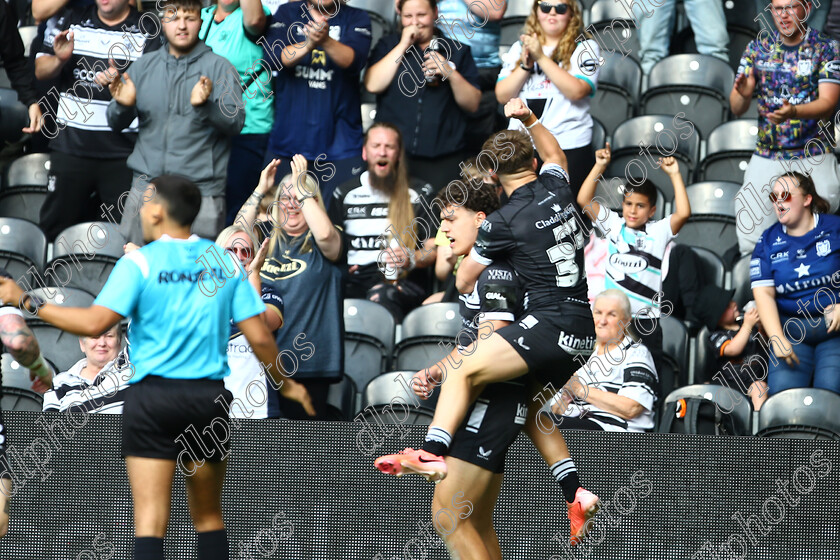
305, 256
556, 76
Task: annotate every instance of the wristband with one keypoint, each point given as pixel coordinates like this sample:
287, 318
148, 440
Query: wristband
533, 124
32, 303
530, 116
529, 70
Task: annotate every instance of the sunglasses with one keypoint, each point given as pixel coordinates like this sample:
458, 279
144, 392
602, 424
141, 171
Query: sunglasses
561, 9
781, 197
244, 252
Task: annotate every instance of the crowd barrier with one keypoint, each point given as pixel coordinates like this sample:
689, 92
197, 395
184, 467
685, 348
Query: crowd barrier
308, 491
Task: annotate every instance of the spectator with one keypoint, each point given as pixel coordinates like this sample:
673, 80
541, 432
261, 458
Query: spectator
185, 124
43, 10
819, 15
794, 281
88, 158
476, 23
637, 245
731, 342
318, 85
232, 28
13, 58
556, 76
304, 266
616, 390
708, 23
97, 382
247, 378
383, 203
426, 85
22, 345
795, 74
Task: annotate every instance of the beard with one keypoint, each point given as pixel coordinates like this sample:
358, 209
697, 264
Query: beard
387, 183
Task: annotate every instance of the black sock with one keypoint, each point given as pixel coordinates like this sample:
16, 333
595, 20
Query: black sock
148, 548
437, 441
566, 474
213, 545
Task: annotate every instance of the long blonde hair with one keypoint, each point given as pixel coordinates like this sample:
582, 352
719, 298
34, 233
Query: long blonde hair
562, 53
278, 234
400, 209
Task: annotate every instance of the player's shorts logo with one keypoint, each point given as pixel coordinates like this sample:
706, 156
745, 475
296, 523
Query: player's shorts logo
575, 345
528, 322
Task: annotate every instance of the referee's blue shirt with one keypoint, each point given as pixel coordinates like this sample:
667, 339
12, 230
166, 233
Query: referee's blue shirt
180, 316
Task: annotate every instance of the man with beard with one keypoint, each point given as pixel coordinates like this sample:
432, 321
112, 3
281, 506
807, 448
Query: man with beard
388, 224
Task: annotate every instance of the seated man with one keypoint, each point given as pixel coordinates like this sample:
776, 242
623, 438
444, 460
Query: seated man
603, 396
97, 382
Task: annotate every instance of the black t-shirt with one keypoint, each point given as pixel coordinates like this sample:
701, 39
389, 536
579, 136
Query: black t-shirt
539, 234
83, 102
497, 296
431, 122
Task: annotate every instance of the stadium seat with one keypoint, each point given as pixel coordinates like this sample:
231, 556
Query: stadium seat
32, 170
718, 234
428, 334
342, 400
675, 350
614, 29
662, 135
21, 399
380, 393
741, 280
611, 191
728, 400
368, 115
713, 197
368, 340
805, 413
705, 362
729, 148
13, 116
25, 190
67, 296
694, 84
617, 93
14, 374
59, 347
22, 246
513, 22
90, 250
599, 135
739, 38
714, 269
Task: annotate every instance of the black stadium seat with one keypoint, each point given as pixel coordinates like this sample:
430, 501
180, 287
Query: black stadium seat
341, 400
511, 25
805, 413
368, 340
713, 197
25, 188
675, 351
22, 246
13, 116
728, 151
617, 94
428, 334
90, 250
714, 269
694, 84
713, 232
599, 135
741, 280
17, 387
614, 29
59, 347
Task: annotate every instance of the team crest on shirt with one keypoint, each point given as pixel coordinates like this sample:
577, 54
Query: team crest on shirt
803, 67
823, 248
335, 32
319, 57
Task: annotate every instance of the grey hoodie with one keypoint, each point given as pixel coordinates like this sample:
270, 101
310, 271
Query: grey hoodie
175, 137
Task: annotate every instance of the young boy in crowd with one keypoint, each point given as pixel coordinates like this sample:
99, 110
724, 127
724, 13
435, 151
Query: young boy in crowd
637, 244
740, 364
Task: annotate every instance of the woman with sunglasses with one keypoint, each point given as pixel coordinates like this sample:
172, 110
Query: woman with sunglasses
255, 393
556, 77
304, 260
795, 274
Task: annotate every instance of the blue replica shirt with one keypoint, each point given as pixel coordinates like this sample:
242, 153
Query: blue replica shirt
180, 317
321, 98
800, 268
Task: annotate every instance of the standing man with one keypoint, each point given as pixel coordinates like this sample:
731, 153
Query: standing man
180, 311
88, 157
185, 127
317, 88
232, 28
794, 73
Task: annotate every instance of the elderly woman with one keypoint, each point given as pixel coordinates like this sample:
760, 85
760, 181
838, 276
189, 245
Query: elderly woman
795, 284
97, 382
616, 390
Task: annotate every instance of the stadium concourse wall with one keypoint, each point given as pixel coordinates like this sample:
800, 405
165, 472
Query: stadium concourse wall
302, 491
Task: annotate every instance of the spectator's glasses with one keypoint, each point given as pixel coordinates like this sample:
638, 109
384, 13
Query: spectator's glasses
781, 197
561, 9
244, 252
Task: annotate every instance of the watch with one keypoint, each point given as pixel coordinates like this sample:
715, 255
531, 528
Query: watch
32, 303
529, 70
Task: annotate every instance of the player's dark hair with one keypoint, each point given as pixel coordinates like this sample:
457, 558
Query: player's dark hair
180, 196
478, 196
819, 205
511, 150
643, 187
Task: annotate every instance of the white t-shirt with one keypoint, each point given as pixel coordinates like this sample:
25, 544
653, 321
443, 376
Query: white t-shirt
634, 377
569, 121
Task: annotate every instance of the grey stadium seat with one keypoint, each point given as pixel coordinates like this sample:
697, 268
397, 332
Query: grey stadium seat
805, 413
615, 29
17, 387
22, 246
59, 347
25, 189
713, 197
715, 233
617, 94
728, 151
90, 250
368, 340
428, 334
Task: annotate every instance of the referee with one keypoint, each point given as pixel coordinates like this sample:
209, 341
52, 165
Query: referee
178, 339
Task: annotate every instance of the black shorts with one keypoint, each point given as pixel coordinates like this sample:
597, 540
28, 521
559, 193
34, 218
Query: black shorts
554, 344
491, 425
178, 419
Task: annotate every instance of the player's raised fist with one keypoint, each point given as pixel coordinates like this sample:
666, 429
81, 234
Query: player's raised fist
201, 91
516, 109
